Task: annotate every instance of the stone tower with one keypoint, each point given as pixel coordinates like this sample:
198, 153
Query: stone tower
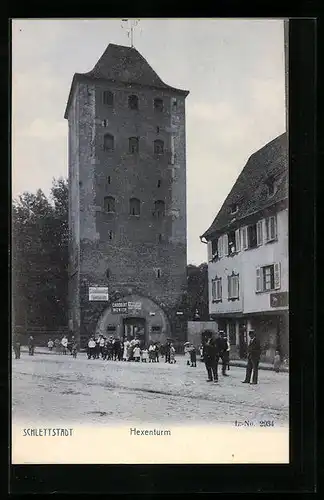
127, 199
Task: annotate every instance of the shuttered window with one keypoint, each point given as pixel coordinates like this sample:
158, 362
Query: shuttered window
271, 228
233, 286
268, 278
244, 238
217, 289
260, 232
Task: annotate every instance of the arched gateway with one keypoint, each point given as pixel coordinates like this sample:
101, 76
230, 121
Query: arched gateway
134, 316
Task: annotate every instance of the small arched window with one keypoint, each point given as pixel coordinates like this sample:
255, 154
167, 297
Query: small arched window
133, 102
134, 206
159, 208
109, 204
108, 98
158, 104
133, 144
158, 147
108, 142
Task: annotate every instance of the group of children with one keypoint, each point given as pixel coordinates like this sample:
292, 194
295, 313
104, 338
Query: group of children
128, 350
64, 345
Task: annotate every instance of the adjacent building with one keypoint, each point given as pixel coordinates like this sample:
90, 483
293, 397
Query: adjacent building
248, 254
127, 199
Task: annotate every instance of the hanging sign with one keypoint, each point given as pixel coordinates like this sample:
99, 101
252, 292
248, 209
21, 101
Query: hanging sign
98, 293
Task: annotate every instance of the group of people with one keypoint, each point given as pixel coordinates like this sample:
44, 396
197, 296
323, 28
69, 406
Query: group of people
217, 347
129, 350
64, 345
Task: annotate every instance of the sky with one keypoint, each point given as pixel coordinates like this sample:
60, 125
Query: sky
233, 68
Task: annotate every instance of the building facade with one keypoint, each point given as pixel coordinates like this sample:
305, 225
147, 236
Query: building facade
127, 199
248, 255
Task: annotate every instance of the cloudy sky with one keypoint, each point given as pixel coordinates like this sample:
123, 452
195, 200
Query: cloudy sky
233, 68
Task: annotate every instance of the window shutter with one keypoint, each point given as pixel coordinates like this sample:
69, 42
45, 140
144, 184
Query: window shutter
229, 286
244, 238
267, 227
274, 227
237, 286
258, 279
277, 276
219, 246
237, 240
260, 232
225, 244
213, 289
220, 289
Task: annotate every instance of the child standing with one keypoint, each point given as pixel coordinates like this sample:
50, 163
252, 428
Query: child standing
50, 344
193, 356
144, 355
277, 362
137, 353
172, 354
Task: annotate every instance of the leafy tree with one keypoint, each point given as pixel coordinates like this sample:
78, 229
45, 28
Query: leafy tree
40, 257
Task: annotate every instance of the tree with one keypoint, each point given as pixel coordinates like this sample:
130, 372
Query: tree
40, 257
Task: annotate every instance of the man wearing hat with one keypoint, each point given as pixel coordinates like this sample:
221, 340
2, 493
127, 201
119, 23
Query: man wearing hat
224, 351
254, 352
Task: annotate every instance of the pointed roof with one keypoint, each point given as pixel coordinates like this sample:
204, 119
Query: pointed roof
250, 189
125, 65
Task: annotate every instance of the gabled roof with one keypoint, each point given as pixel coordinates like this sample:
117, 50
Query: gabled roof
250, 191
125, 65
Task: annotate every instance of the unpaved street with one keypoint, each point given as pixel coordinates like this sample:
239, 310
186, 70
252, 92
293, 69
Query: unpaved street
50, 387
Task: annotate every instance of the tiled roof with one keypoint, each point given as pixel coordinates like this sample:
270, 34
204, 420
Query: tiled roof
250, 191
125, 65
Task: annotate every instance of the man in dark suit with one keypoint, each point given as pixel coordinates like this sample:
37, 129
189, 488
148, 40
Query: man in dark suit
224, 353
211, 357
254, 352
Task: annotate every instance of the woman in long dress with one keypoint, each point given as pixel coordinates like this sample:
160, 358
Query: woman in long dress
125, 350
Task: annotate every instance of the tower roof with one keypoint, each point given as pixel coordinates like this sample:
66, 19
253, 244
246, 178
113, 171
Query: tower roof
125, 65
249, 191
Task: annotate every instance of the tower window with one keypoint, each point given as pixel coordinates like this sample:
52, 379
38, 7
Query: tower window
134, 206
109, 204
158, 147
158, 104
158, 272
174, 104
108, 142
159, 208
108, 98
104, 123
160, 238
110, 235
109, 179
133, 144
157, 130
133, 102
159, 183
